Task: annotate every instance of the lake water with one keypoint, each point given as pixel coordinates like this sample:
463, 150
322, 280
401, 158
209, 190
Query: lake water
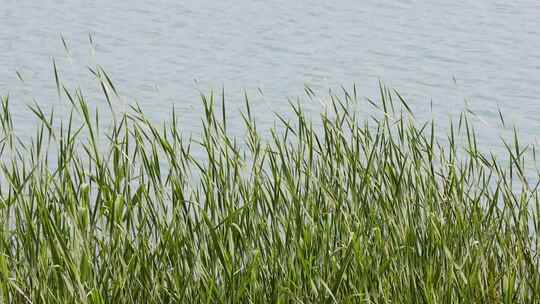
161, 53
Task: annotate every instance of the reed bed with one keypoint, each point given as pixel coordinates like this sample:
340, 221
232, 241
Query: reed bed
355, 208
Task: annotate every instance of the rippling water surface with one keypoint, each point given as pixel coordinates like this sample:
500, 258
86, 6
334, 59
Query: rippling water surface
161, 53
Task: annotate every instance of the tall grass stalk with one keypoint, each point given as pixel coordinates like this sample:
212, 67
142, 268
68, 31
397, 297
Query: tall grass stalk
364, 209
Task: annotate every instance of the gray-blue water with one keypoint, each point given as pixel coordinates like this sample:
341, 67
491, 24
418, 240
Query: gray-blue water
161, 53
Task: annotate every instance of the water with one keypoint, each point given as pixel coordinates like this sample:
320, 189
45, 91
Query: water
161, 53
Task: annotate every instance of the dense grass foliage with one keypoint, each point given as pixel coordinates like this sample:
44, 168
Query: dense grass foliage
360, 209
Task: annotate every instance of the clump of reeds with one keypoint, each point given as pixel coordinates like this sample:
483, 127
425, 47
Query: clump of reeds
363, 209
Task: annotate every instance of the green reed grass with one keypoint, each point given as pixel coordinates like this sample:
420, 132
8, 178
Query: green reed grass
361, 209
